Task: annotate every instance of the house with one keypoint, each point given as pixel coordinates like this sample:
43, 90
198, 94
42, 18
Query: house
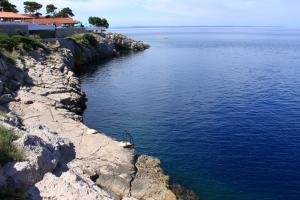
13, 17
35, 24
58, 22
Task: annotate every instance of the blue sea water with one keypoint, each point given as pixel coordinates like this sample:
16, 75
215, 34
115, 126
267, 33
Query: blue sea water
220, 106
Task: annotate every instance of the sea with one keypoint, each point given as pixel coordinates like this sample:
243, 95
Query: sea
220, 106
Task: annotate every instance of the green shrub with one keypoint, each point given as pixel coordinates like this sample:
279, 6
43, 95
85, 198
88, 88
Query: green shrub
9, 193
84, 39
6, 42
27, 43
19, 42
8, 152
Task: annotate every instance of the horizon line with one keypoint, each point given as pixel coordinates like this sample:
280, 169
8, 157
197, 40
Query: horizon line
184, 26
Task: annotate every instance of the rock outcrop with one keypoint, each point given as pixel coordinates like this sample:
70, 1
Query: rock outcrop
121, 42
150, 181
64, 159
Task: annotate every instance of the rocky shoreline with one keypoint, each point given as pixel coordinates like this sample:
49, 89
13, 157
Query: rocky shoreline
43, 102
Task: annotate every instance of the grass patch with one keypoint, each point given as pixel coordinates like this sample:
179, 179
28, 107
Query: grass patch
2, 113
19, 42
9, 193
84, 39
8, 152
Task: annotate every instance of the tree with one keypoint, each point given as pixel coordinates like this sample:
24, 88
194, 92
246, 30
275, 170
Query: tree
65, 12
8, 7
32, 7
105, 23
50, 9
97, 21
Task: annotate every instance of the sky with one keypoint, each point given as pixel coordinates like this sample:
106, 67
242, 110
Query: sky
184, 12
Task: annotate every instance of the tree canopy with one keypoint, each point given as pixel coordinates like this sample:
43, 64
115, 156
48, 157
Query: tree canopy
97, 21
8, 7
50, 9
65, 12
32, 7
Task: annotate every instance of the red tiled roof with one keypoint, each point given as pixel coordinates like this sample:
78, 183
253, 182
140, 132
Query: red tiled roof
56, 21
29, 15
11, 15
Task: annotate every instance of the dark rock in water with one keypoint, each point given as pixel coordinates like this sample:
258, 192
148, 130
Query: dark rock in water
182, 193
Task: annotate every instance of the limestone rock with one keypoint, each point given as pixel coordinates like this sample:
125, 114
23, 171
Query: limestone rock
122, 42
41, 158
68, 186
150, 183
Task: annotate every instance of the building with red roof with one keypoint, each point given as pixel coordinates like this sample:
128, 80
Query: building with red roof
55, 21
11, 17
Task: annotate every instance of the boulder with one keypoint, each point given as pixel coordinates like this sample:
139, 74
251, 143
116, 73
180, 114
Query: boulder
69, 186
40, 159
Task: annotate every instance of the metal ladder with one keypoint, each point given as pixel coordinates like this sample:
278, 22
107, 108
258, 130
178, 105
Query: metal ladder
128, 140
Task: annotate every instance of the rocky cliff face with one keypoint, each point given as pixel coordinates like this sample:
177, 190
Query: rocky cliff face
64, 159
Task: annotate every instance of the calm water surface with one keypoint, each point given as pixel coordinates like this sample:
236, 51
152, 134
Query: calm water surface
219, 106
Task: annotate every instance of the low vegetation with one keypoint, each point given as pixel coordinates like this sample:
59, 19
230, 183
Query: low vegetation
84, 39
19, 42
10, 193
8, 152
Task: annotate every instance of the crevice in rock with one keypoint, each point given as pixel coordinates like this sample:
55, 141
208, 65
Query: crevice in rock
134, 174
94, 177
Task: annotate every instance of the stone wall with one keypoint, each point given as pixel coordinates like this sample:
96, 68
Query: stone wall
65, 32
43, 33
13, 28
